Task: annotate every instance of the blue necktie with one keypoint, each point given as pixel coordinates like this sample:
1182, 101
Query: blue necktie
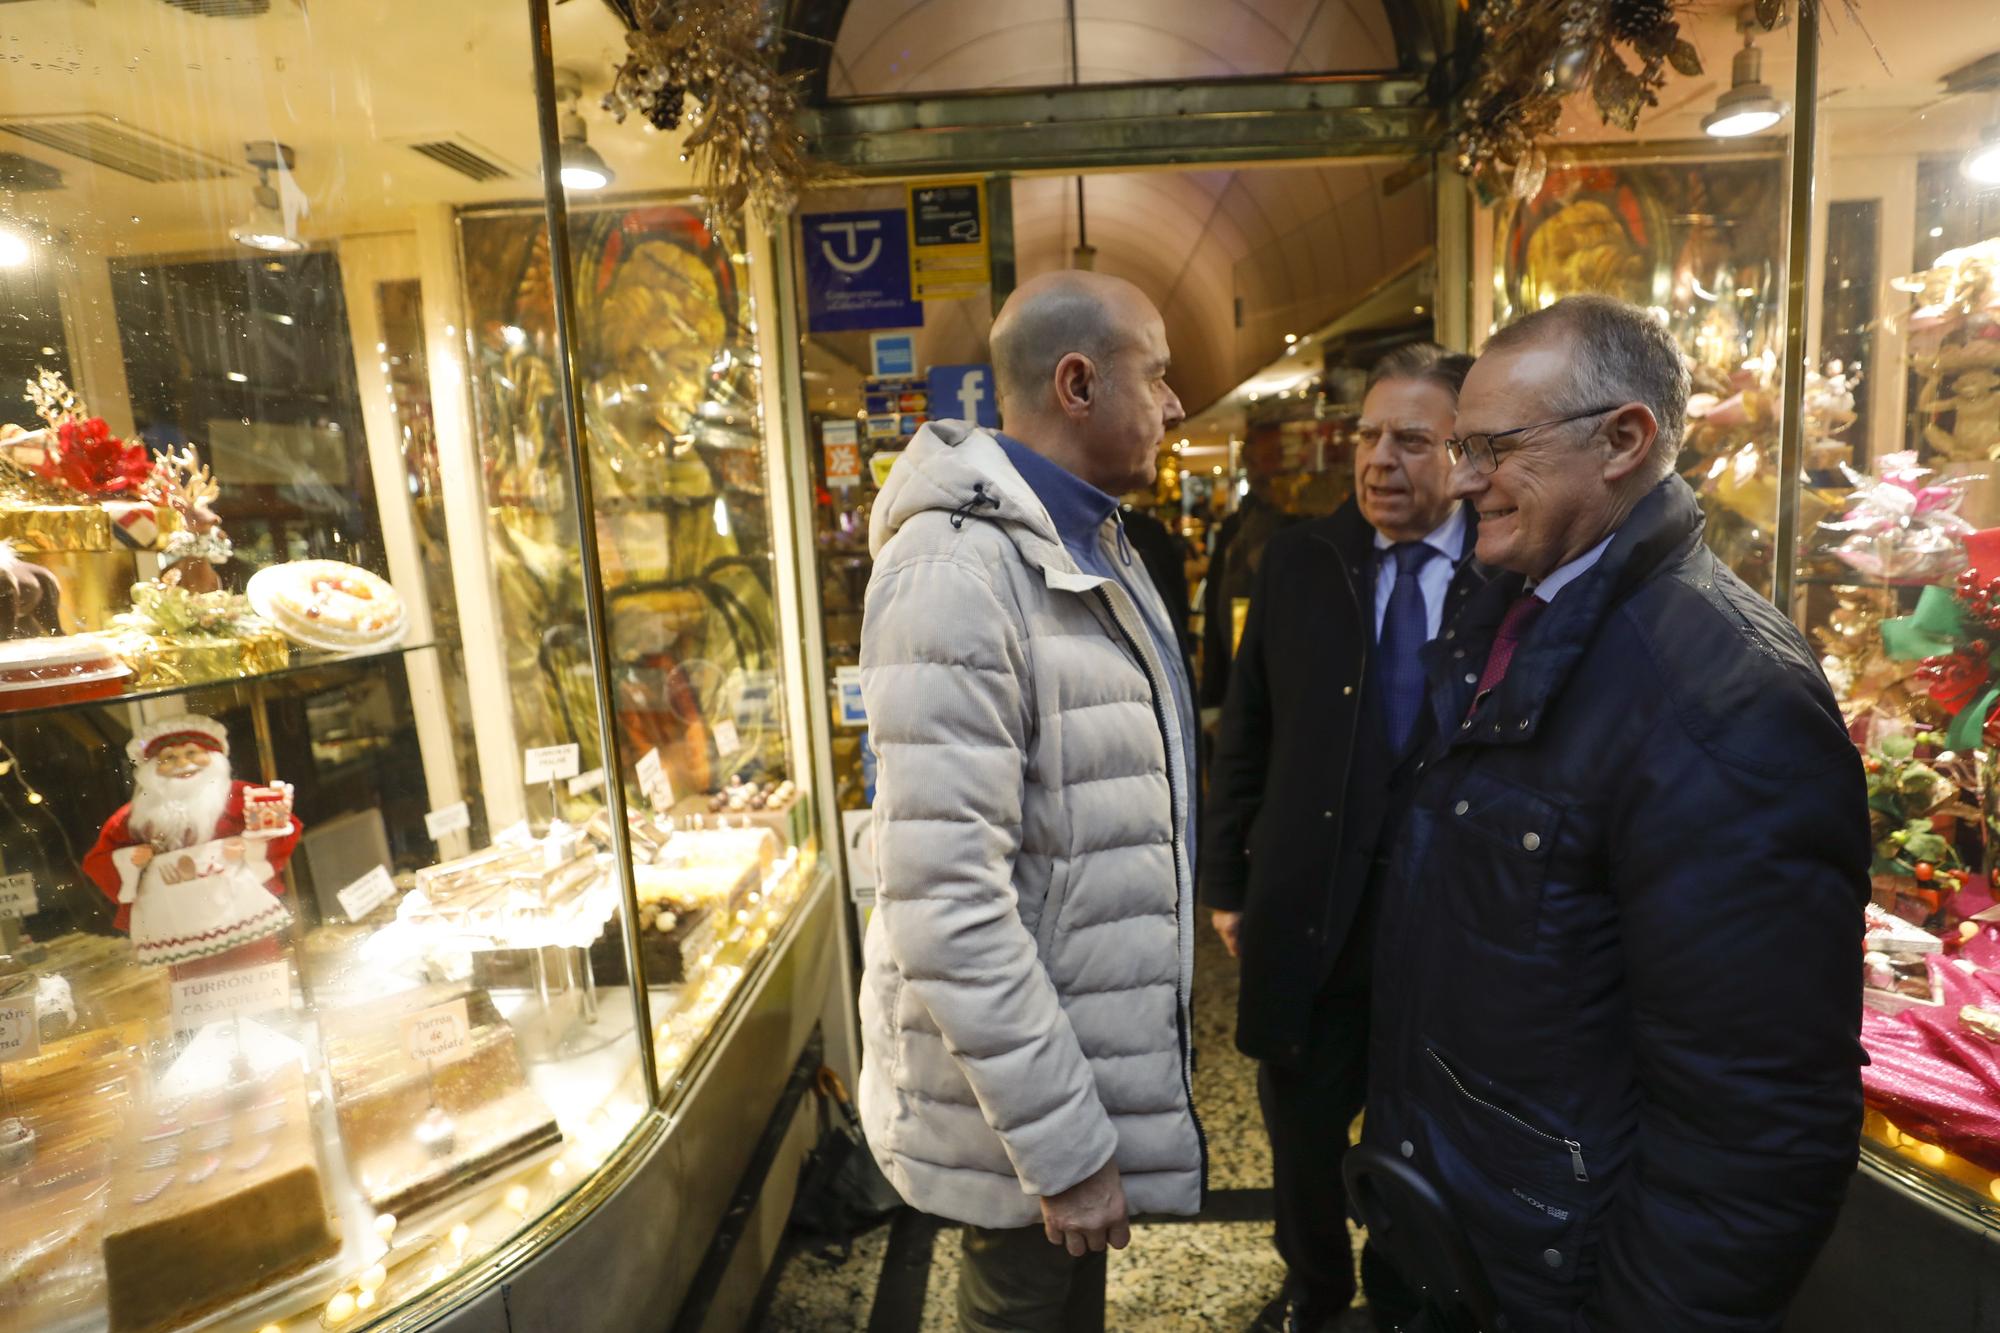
1405, 628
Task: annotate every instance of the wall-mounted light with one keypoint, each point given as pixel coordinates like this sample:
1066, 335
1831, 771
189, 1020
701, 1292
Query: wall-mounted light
1749, 107
15, 248
267, 227
582, 167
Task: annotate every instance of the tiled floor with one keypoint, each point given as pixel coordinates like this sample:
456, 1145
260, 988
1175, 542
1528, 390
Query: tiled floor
1175, 1277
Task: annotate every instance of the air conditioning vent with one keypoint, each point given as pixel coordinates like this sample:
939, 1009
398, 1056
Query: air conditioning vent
222, 9
460, 154
97, 138
21, 172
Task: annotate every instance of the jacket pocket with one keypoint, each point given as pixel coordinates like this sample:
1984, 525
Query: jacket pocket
1052, 906
1498, 840
1519, 1187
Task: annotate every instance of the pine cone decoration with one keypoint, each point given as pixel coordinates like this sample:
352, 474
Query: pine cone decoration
1633, 21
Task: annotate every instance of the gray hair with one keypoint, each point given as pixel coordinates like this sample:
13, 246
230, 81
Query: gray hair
1426, 362
1621, 354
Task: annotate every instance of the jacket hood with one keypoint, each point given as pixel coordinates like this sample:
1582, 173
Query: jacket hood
960, 468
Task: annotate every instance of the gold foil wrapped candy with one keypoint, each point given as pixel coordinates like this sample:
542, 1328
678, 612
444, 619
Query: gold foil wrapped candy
173, 637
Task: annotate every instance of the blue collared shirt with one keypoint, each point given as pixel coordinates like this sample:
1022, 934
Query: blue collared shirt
1079, 511
1565, 574
1434, 580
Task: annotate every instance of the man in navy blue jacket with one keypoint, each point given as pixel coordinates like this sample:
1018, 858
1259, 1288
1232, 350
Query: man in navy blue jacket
1617, 999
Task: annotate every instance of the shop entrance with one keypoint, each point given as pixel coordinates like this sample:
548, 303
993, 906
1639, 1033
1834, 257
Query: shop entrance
1278, 285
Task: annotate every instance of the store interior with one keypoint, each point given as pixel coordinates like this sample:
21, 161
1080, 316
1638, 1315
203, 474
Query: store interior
521, 595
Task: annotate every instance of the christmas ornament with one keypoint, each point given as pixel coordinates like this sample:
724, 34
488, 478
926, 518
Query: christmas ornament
1956, 634
195, 860
183, 483
80, 451
1533, 54
709, 65
1913, 806
1902, 523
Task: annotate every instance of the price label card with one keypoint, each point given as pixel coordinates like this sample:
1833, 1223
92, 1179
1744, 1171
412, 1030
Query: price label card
243, 993
20, 1028
546, 763
727, 741
584, 782
452, 818
439, 1034
653, 780
366, 894
17, 895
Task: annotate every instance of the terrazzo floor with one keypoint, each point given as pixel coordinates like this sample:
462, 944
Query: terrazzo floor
1176, 1277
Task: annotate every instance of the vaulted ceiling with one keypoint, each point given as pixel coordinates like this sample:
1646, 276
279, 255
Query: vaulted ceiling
900, 47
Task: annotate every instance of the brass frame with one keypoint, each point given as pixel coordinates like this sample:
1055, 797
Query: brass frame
1125, 125
594, 615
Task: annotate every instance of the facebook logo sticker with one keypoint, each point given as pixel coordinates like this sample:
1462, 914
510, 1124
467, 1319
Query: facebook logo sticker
965, 392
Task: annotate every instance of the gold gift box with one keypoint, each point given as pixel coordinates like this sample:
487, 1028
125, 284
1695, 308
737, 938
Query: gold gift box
158, 662
56, 527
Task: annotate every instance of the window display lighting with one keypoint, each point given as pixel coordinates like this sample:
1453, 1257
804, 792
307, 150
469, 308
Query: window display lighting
582, 167
267, 227
1749, 107
1981, 166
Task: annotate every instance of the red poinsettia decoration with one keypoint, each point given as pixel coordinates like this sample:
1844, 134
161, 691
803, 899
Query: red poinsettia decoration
1955, 679
87, 457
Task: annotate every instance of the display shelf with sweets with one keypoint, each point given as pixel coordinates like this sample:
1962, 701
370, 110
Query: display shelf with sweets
296, 665
329, 605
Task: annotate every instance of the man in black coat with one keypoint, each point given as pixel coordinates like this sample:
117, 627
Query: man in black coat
1617, 1009
1324, 713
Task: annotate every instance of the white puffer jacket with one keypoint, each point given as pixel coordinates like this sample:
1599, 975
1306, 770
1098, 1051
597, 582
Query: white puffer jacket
1024, 1012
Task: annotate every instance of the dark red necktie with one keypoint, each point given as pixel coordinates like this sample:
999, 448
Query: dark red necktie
1514, 627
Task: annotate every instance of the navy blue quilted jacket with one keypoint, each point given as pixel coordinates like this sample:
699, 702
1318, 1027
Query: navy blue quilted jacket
1617, 999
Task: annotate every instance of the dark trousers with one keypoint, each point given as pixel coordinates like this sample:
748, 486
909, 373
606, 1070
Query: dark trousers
1308, 1108
1014, 1281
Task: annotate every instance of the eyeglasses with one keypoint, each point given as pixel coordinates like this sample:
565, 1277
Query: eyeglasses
1485, 452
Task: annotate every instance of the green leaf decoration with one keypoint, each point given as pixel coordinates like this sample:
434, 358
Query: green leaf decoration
1932, 630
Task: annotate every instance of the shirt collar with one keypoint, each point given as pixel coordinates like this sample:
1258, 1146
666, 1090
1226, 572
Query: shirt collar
1447, 538
1077, 508
1566, 574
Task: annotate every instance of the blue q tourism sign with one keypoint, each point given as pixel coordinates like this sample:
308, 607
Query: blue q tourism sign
858, 271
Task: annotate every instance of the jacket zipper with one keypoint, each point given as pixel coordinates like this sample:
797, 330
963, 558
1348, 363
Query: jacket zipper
1182, 1000
1575, 1148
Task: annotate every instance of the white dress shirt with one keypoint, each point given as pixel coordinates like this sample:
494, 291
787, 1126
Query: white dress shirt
1434, 580
1564, 575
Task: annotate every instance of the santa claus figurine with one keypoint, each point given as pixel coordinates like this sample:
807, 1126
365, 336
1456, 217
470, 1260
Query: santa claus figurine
194, 860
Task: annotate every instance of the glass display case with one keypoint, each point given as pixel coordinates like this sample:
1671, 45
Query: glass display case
1835, 282
1899, 504
403, 790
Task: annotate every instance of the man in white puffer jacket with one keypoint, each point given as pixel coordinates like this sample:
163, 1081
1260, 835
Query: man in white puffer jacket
1024, 1014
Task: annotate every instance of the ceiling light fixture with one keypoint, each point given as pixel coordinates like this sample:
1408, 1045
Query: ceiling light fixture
14, 248
268, 226
582, 168
1749, 107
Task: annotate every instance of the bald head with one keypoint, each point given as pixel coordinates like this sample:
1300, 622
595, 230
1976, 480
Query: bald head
1081, 360
1050, 316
